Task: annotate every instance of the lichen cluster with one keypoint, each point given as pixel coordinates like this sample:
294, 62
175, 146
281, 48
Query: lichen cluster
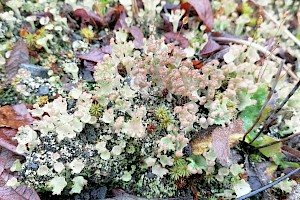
145, 125
130, 129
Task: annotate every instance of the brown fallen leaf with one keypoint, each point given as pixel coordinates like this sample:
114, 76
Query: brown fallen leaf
204, 11
18, 55
86, 18
6, 141
187, 7
15, 116
197, 64
222, 137
112, 16
210, 47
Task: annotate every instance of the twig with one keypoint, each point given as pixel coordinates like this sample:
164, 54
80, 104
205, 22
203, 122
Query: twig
286, 31
291, 152
259, 48
292, 92
270, 118
269, 185
267, 100
275, 142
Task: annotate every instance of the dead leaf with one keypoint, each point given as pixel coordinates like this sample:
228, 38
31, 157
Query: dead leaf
210, 47
172, 37
15, 193
187, 7
197, 64
96, 20
89, 65
222, 139
138, 37
289, 58
86, 18
112, 16
96, 55
15, 116
121, 23
7, 159
44, 14
18, 55
204, 11
6, 141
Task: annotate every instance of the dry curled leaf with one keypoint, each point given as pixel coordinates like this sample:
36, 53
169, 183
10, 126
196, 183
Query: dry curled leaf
222, 137
18, 55
210, 47
204, 11
15, 116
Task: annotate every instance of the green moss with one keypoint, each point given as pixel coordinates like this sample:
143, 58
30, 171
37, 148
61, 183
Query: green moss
179, 168
96, 109
164, 116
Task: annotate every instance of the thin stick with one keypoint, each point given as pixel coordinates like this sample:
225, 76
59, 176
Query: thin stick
271, 116
279, 141
268, 185
295, 88
267, 100
259, 48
